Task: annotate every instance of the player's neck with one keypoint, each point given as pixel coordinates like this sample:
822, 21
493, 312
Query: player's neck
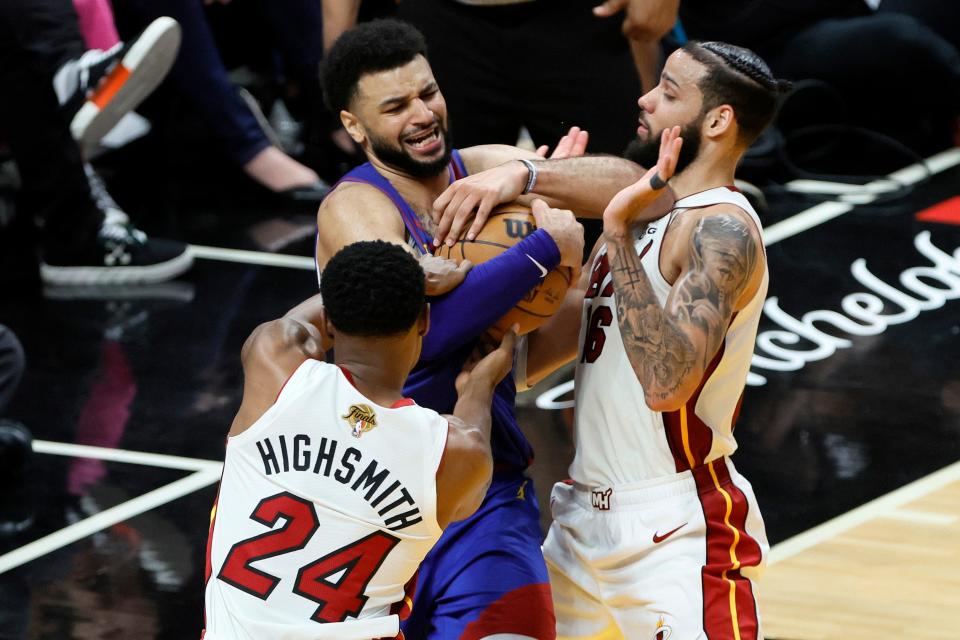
405, 183
701, 175
374, 372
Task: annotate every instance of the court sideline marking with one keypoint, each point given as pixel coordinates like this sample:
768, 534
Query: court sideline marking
107, 518
883, 506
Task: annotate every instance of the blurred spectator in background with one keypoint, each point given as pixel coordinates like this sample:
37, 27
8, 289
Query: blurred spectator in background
507, 64
83, 241
893, 63
199, 73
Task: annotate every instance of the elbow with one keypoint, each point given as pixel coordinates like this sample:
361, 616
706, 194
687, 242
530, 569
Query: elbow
667, 401
664, 404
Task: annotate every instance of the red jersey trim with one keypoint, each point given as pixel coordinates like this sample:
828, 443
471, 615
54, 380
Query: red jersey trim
526, 611
729, 604
402, 402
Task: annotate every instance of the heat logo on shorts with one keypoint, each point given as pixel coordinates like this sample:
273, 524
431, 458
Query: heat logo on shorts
600, 499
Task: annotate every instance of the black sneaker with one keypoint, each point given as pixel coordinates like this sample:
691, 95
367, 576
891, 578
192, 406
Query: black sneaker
121, 255
101, 86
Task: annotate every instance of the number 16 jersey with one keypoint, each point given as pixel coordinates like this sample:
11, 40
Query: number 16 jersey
619, 439
326, 508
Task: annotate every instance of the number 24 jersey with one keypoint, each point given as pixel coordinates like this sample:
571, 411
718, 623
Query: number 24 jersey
326, 507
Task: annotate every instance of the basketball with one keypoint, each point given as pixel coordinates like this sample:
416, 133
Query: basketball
507, 225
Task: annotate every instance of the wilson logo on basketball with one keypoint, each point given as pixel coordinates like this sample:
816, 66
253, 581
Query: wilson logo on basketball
517, 229
361, 419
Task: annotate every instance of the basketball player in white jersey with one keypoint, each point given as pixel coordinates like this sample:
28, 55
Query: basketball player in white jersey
335, 486
657, 535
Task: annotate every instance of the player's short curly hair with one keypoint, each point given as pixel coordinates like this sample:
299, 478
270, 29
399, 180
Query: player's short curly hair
373, 289
367, 48
740, 78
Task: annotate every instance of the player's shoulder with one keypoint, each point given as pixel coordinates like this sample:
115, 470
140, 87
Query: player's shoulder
722, 218
346, 197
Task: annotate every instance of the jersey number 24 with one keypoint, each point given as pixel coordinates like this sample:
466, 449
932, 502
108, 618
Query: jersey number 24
358, 561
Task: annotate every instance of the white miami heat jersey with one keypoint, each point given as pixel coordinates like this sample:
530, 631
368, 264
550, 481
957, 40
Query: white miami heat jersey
619, 440
326, 508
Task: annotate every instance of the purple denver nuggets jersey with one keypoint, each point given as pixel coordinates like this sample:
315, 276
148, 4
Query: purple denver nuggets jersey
431, 383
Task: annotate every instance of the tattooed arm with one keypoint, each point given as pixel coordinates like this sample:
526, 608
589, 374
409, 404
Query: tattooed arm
670, 347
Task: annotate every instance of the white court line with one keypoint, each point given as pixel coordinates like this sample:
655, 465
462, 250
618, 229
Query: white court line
922, 517
869, 511
252, 257
110, 517
822, 187
829, 210
122, 455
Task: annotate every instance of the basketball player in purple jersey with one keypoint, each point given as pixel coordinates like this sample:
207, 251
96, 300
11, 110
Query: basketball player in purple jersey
486, 576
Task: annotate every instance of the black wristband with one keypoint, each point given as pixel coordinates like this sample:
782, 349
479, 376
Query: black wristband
657, 183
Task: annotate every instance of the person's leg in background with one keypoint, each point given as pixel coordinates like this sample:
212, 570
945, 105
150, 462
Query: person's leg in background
199, 73
295, 31
11, 366
78, 245
942, 16
593, 85
468, 47
96, 23
56, 25
917, 59
54, 185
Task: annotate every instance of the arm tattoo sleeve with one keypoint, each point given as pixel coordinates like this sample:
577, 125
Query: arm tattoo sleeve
667, 346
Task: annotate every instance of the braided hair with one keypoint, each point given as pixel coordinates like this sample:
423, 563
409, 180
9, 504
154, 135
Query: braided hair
740, 78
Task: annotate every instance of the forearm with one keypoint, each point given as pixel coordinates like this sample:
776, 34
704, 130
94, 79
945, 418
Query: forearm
473, 408
662, 355
646, 57
338, 16
586, 184
309, 313
556, 342
487, 293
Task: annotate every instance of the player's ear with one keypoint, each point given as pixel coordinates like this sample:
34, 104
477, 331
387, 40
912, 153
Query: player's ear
423, 323
328, 329
352, 124
719, 121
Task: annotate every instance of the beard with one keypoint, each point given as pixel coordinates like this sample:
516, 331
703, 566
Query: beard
396, 157
646, 152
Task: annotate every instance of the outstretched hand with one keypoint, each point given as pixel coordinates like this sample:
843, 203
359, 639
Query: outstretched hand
625, 208
572, 145
468, 201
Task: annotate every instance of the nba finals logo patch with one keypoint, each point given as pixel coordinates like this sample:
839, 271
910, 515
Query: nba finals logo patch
663, 631
361, 419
